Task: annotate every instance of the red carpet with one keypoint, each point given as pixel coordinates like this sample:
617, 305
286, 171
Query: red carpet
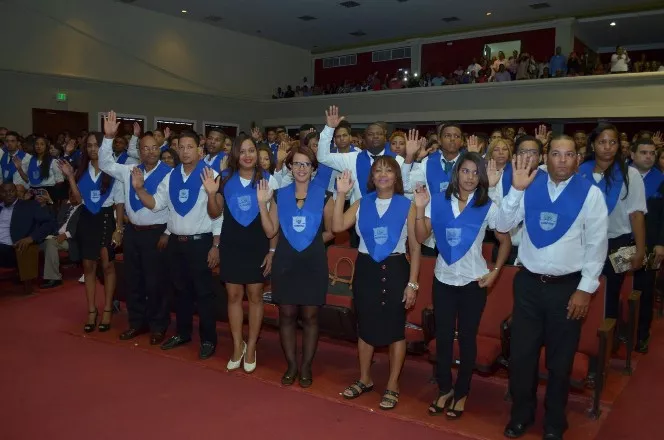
56, 382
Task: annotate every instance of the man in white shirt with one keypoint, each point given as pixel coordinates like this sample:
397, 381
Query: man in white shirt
11, 157
563, 248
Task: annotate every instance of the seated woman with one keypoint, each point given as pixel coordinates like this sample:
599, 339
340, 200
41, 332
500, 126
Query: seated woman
459, 218
384, 283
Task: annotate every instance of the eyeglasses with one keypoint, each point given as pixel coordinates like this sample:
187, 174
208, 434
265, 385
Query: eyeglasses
301, 165
152, 148
467, 172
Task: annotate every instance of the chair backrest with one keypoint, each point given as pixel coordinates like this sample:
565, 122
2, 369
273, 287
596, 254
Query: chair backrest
487, 251
425, 293
588, 342
626, 289
499, 302
342, 238
334, 253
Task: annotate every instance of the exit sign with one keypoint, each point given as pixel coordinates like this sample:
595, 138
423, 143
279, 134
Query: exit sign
61, 96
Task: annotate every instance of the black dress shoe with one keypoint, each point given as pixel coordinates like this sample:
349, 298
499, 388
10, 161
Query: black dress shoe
157, 338
50, 284
207, 350
641, 347
175, 341
516, 430
552, 436
132, 333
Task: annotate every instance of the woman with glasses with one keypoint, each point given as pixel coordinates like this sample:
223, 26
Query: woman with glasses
299, 268
458, 218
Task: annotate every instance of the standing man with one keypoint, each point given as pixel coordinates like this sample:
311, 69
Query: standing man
644, 155
11, 157
215, 146
562, 250
193, 243
144, 239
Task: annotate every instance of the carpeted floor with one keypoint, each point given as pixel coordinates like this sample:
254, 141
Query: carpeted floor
58, 383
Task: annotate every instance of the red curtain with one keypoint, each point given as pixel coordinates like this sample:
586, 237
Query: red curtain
444, 58
359, 72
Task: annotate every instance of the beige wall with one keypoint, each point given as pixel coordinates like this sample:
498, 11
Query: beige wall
110, 41
615, 96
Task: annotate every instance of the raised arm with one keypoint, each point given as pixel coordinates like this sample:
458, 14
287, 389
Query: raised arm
106, 162
132, 151
341, 220
138, 183
211, 182
337, 161
68, 172
415, 251
511, 211
269, 218
422, 230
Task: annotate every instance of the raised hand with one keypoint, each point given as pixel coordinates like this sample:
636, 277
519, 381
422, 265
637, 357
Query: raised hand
17, 161
167, 133
332, 118
66, 168
137, 179
263, 191
422, 196
210, 183
282, 151
137, 129
412, 143
345, 182
473, 144
542, 134
111, 125
224, 163
522, 175
657, 139
256, 134
493, 173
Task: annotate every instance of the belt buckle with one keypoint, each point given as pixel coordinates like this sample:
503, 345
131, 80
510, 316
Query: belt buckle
197, 237
544, 278
183, 238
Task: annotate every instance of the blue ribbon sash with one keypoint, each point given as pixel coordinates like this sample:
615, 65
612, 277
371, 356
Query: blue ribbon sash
612, 192
185, 194
381, 234
151, 184
241, 200
437, 179
91, 192
300, 225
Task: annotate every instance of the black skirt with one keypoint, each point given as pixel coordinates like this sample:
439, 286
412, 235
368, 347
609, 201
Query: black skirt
300, 278
378, 290
94, 232
242, 250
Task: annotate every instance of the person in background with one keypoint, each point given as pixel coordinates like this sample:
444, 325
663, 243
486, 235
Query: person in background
11, 157
215, 148
620, 61
170, 157
558, 63
398, 143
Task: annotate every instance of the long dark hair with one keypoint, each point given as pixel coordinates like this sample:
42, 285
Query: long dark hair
394, 165
45, 166
481, 196
234, 160
617, 159
85, 162
268, 150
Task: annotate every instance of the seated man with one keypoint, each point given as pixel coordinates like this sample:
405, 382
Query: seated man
22, 223
67, 221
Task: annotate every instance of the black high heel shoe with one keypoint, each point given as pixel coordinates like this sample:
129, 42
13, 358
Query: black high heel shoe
89, 328
435, 410
454, 414
104, 327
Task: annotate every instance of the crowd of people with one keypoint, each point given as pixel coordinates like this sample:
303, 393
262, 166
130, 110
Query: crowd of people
263, 206
499, 68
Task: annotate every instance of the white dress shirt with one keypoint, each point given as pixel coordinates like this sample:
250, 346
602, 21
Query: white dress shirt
347, 161
5, 224
471, 266
496, 194
381, 206
582, 248
130, 160
122, 173
17, 179
619, 223
117, 189
54, 174
197, 221
63, 228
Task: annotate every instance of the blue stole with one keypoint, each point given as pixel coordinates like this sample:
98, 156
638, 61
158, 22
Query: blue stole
323, 176
334, 149
363, 166
455, 236
34, 172
241, 200
91, 191
547, 221
381, 234
7, 165
506, 179
612, 193
151, 184
300, 225
437, 179
164, 147
185, 194
652, 182
122, 159
215, 163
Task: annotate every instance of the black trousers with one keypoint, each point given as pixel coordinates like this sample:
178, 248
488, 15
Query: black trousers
614, 280
540, 319
145, 266
457, 308
429, 252
7, 256
193, 284
644, 281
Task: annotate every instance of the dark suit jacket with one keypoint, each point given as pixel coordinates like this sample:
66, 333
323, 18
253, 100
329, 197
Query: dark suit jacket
30, 219
71, 228
655, 220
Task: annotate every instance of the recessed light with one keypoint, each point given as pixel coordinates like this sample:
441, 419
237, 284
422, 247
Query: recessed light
488, 13
613, 23
184, 11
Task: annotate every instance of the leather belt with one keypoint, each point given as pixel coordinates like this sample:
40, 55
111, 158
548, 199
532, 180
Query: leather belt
147, 227
185, 238
551, 279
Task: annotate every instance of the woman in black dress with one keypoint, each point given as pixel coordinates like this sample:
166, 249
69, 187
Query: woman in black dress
245, 252
299, 269
98, 232
385, 284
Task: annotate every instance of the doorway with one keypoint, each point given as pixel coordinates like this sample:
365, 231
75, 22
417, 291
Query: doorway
52, 122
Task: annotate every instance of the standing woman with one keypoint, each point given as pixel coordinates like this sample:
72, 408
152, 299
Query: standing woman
385, 285
299, 267
458, 218
625, 197
98, 232
245, 252
40, 171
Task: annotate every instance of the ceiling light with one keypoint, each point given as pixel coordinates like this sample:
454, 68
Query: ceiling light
488, 13
415, 74
184, 11
613, 23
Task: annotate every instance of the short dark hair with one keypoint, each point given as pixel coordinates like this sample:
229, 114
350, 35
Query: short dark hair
528, 138
12, 133
189, 134
445, 125
481, 196
307, 127
642, 141
301, 149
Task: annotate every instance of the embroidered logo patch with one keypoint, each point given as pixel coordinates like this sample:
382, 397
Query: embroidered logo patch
6, 174
453, 236
443, 186
35, 175
548, 220
183, 195
380, 235
244, 203
299, 223
95, 195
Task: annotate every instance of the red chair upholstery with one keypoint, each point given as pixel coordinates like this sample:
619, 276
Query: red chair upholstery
342, 239
416, 337
487, 251
630, 302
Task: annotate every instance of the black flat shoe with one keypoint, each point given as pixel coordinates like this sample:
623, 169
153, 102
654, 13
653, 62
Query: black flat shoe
642, 347
516, 430
174, 341
157, 338
104, 327
89, 328
132, 333
288, 378
552, 436
305, 382
207, 350
49, 284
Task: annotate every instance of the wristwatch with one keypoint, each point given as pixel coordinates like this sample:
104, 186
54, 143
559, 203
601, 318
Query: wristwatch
413, 286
